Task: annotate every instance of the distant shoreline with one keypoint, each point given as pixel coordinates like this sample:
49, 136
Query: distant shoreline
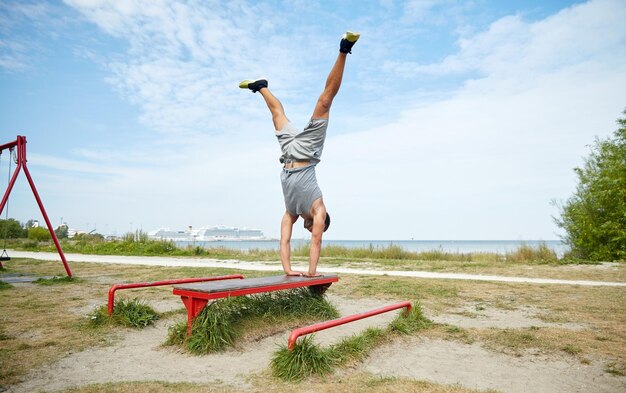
451, 246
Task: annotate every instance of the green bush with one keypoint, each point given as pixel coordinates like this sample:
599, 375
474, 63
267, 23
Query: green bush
13, 229
39, 234
594, 218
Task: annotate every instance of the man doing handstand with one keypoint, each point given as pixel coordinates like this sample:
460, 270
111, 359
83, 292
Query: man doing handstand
302, 151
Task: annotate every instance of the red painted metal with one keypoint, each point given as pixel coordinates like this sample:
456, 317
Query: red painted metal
336, 322
116, 287
20, 144
195, 301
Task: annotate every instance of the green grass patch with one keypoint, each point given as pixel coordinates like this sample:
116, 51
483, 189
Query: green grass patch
126, 312
308, 358
411, 321
572, 349
56, 280
355, 348
222, 322
5, 285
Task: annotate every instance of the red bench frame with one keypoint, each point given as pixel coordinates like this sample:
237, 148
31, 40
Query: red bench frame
195, 300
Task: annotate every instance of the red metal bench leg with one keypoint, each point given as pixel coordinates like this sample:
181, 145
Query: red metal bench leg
194, 306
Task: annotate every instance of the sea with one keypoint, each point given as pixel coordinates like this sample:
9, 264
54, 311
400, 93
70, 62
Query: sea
452, 246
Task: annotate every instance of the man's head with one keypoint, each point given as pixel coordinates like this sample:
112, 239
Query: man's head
308, 223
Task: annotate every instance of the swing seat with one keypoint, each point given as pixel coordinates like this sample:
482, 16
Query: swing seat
3, 258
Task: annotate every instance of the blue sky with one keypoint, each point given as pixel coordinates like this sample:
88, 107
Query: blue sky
456, 119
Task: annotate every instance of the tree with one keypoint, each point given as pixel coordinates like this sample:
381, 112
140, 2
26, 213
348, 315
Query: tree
13, 229
594, 218
61, 231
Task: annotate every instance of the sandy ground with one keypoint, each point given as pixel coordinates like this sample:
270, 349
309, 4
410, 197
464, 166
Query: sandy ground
261, 266
472, 366
138, 356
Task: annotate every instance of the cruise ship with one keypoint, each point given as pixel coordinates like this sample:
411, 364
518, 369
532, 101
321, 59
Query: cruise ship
208, 234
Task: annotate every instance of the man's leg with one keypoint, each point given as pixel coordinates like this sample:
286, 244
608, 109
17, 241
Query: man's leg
333, 82
274, 105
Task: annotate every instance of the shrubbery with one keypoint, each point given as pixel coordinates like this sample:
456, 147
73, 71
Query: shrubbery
39, 234
594, 218
13, 228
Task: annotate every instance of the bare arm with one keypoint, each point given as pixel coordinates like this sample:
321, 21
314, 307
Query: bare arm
286, 227
317, 231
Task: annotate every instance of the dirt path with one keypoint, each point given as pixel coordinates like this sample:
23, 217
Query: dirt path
261, 266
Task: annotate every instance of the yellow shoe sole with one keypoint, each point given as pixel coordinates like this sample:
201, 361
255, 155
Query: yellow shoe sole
244, 84
352, 36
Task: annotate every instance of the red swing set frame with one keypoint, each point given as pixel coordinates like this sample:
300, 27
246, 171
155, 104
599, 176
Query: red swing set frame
20, 145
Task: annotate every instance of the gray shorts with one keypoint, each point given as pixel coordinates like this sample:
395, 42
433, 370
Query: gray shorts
300, 189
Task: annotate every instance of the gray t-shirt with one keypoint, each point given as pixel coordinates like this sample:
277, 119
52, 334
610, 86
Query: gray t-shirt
305, 145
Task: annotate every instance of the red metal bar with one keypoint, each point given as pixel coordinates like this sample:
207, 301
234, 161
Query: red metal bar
8, 145
22, 158
20, 144
193, 306
5, 197
336, 322
164, 282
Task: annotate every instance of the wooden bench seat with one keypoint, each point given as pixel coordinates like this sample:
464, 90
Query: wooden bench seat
196, 296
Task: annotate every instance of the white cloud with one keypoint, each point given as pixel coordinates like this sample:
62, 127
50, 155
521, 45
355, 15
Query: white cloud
486, 161
511, 45
185, 58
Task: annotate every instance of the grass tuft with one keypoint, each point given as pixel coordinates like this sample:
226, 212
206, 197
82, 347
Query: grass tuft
306, 359
127, 312
355, 348
526, 253
5, 285
177, 334
222, 322
214, 328
411, 321
293, 366
56, 280
572, 349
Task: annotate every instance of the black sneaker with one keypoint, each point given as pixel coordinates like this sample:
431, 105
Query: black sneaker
347, 41
254, 85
